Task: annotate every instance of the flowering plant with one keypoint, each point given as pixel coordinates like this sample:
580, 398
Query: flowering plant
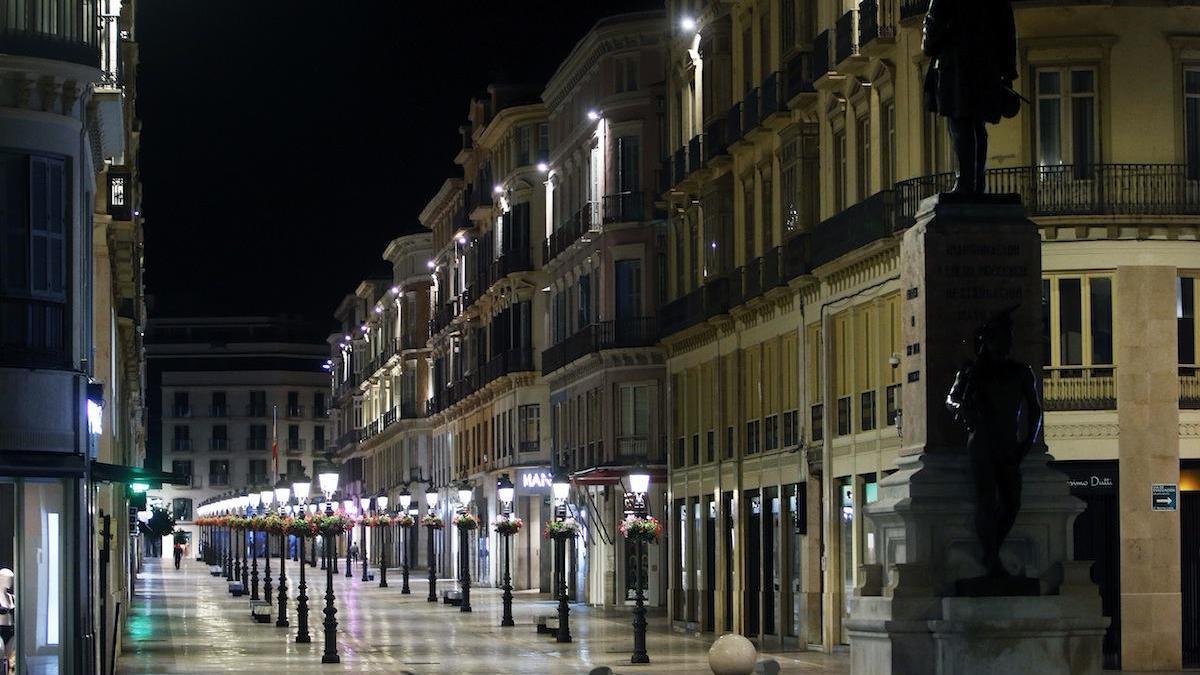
507, 524
332, 526
203, 521
302, 527
376, 521
258, 524
433, 522
562, 529
274, 523
466, 521
404, 520
646, 529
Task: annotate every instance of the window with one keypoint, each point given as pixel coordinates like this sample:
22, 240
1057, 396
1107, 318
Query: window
787, 11
295, 467
34, 226
258, 437
866, 410
863, 158
629, 159
524, 145
628, 300
183, 467
258, 404
839, 171
893, 403
625, 73
768, 211
529, 418
753, 437
1191, 121
791, 428
258, 473
1066, 119
181, 509
1080, 315
319, 409
729, 442
219, 407
583, 305
218, 472
772, 432
764, 41
293, 439
183, 437
633, 420
318, 437
710, 446
748, 220
543, 148
182, 407
747, 58
1185, 312
293, 404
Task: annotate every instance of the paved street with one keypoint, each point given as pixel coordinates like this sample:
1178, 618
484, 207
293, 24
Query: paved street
185, 622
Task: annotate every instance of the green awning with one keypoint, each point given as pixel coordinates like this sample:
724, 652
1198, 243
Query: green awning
120, 473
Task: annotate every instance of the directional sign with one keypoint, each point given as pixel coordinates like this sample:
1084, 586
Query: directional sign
1164, 496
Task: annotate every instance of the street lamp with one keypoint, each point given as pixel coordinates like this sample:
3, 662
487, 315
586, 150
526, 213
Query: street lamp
505, 490
253, 499
243, 501
328, 480
227, 508
405, 499
431, 499
348, 507
365, 506
464, 543
639, 485
283, 492
561, 488
381, 502
302, 487
267, 497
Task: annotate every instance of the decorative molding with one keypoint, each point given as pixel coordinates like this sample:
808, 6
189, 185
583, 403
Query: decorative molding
1097, 430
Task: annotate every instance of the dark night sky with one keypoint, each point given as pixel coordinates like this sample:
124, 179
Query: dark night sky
285, 143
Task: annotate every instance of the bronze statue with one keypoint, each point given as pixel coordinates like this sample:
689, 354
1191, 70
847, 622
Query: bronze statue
997, 399
972, 45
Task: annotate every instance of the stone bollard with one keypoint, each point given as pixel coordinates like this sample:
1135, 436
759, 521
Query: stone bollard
732, 654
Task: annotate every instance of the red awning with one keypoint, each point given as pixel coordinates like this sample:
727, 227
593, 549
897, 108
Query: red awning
612, 475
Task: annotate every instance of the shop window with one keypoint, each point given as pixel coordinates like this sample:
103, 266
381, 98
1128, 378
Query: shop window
866, 410
817, 423
843, 416
753, 437
791, 428
772, 432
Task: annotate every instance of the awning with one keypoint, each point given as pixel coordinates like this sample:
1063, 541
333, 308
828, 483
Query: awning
120, 473
612, 475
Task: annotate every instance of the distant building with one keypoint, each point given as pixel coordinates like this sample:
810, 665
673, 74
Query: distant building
223, 390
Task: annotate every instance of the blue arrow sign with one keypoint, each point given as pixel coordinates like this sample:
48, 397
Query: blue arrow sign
1164, 496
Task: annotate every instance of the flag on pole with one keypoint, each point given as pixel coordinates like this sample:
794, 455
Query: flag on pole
275, 438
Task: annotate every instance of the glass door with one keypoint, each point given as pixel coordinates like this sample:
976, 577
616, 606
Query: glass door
753, 564
770, 535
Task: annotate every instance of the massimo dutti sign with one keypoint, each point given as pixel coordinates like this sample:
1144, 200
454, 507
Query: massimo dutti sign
1090, 477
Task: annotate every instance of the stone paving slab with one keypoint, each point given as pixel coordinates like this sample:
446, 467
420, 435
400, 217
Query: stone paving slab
184, 621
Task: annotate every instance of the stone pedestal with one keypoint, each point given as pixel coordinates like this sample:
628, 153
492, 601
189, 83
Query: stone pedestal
961, 264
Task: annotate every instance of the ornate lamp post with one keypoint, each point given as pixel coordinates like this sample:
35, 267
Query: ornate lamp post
228, 541
561, 487
431, 499
405, 499
253, 499
381, 502
505, 490
301, 487
464, 543
364, 504
267, 497
327, 478
283, 492
243, 508
348, 507
639, 485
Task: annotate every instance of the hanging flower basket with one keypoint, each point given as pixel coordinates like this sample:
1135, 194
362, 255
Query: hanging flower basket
562, 529
258, 524
646, 529
404, 520
433, 522
332, 526
377, 521
466, 521
302, 527
508, 525
275, 524
202, 521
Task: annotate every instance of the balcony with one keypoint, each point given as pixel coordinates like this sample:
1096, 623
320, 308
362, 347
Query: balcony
319, 444
441, 318
295, 411
182, 444
408, 410
571, 231
750, 110
820, 56
181, 411
845, 36
510, 262
389, 417
798, 76
256, 443
640, 332
1077, 388
254, 410
296, 446
216, 443
734, 123
715, 143
1070, 190
348, 438
680, 165
875, 21
695, 153
51, 29
624, 207
1189, 388
774, 98
662, 181
867, 221
218, 411
633, 450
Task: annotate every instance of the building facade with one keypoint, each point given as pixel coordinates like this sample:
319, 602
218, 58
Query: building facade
71, 311
801, 152
603, 261
225, 392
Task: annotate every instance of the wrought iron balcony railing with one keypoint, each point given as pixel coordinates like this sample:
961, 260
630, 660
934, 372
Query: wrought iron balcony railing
571, 231
52, 29
820, 55
846, 36
640, 332
624, 207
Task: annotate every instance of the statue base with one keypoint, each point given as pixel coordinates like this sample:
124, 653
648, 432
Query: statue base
923, 608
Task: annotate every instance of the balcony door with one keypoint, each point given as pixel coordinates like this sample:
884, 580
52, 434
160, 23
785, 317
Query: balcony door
1067, 137
628, 291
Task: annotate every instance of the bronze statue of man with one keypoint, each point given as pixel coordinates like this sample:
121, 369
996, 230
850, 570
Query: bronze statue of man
997, 399
972, 45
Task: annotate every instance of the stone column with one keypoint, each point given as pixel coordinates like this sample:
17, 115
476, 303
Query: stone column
1148, 450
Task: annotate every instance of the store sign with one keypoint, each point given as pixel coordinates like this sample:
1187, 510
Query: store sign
1092, 481
535, 480
1164, 496
1085, 478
